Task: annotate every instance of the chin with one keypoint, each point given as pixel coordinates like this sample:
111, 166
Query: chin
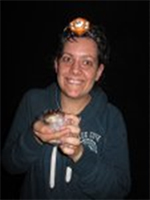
72, 94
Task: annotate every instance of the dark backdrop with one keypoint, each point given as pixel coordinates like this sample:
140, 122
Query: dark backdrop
29, 39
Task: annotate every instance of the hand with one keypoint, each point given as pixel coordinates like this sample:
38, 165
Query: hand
68, 137
43, 133
70, 143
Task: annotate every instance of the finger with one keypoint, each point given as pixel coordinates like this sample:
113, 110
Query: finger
51, 137
73, 141
67, 150
60, 134
40, 126
74, 130
72, 119
55, 141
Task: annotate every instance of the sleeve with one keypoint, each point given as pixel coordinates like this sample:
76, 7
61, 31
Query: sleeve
20, 148
107, 175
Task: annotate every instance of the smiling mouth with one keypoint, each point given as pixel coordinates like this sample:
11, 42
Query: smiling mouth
74, 81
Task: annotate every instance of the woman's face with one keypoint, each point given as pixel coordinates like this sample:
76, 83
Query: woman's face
77, 69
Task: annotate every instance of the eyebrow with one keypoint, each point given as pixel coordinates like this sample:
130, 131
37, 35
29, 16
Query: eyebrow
83, 56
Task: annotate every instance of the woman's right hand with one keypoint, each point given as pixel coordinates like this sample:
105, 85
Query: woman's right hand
43, 133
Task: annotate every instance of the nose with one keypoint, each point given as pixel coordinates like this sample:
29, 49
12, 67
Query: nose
75, 68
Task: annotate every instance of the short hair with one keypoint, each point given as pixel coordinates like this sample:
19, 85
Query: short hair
94, 32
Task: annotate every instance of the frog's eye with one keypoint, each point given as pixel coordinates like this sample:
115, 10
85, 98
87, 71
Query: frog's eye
79, 26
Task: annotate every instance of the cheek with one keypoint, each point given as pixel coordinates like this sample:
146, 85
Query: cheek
62, 70
61, 74
91, 76
59, 71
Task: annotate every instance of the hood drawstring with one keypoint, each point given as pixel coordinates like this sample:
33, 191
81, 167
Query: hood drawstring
53, 167
68, 175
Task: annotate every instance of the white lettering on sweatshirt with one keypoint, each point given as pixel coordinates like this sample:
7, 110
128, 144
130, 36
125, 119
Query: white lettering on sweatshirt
90, 139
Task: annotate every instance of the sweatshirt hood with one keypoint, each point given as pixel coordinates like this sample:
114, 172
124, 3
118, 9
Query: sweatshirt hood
97, 104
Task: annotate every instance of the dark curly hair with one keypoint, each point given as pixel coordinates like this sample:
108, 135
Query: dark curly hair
96, 33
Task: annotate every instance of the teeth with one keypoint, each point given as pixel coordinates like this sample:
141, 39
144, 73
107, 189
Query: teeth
72, 81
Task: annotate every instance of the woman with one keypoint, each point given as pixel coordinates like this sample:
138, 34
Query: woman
87, 156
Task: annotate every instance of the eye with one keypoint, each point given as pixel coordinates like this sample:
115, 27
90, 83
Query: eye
66, 59
87, 63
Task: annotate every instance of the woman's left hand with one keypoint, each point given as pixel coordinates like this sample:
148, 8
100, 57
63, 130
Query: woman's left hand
71, 144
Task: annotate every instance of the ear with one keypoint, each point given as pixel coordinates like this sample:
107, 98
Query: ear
99, 72
56, 66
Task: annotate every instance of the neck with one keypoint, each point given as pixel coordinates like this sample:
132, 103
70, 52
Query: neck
74, 106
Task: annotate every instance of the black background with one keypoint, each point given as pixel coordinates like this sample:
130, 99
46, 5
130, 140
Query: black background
29, 36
